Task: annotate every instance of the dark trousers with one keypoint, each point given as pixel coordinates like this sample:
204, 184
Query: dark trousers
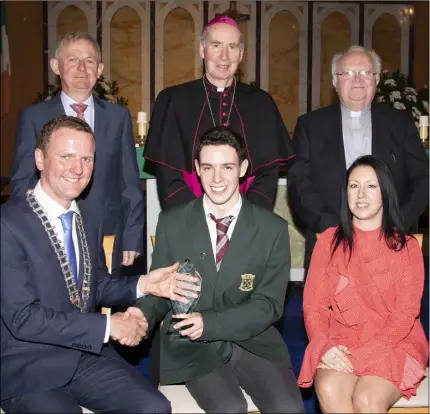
155, 364
272, 387
100, 384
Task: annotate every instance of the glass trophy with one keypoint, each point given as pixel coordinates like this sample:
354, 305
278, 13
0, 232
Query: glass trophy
185, 268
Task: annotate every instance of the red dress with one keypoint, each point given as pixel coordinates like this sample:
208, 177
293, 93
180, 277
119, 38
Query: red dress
371, 305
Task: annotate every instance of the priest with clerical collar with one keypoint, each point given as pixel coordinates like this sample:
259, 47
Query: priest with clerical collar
328, 140
183, 112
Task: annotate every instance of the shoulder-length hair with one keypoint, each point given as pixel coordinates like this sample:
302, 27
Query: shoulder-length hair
392, 222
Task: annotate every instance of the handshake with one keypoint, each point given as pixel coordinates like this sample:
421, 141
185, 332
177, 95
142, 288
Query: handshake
128, 328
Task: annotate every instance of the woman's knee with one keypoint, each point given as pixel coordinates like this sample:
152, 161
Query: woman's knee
334, 391
368, 401
326, 388
374, 395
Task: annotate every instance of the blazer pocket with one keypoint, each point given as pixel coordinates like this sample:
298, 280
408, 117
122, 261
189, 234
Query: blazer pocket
241, 280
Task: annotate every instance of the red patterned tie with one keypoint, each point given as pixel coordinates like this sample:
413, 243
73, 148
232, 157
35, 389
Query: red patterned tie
222, 241
79, 108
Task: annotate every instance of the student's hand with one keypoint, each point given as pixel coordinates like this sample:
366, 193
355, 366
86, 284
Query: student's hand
128, 330
336, 358
133, 312
166, 283
195, 319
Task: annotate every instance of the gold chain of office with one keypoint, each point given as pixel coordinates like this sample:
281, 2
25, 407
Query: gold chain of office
78, 300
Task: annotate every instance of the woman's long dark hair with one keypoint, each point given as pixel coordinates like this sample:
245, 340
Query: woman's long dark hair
392, 222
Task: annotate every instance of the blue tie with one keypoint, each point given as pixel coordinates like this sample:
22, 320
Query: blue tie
67, 221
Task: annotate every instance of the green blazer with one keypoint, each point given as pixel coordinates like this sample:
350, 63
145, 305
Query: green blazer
236, 308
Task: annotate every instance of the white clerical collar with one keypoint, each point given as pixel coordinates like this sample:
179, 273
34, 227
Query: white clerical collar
67, 100
354, 114
52, 208
233, 212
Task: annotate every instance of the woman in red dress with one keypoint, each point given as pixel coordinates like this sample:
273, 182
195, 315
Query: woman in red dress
362, 300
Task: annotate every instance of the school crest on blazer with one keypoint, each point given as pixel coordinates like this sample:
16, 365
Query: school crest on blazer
247, 283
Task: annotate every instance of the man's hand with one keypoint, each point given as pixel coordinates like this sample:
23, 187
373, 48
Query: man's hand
165, 283
336, 358
128, 329
128, 257
133, 312
195, 319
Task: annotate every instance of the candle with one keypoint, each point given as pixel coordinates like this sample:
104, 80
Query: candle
141, 129
424, 125
141, 118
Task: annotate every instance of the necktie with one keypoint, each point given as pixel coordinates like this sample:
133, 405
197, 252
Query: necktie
222, 241
67, 222
79, 108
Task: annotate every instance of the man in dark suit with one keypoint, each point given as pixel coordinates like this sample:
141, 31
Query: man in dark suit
55, 353
242, 253
328, 140
113, 200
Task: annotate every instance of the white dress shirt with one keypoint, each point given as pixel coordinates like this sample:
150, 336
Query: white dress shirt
357, 133
54, 211
89, 112
212, 225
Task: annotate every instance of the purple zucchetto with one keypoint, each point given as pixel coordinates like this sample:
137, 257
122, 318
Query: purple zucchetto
223, 19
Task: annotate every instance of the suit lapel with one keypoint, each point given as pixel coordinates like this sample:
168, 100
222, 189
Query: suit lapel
244, 232
202, 243
338, 136
100, 121
381, 147
46, 251
55, 106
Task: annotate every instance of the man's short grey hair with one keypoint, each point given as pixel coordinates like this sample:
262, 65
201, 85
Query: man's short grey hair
204, 38
75, 36
371, 54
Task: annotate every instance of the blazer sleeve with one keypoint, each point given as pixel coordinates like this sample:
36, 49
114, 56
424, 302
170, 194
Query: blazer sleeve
27, 319
132, 197
24, 173
265, 306
155, 308
306, 202
417, 170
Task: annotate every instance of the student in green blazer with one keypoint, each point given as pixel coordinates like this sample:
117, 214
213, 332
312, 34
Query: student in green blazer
244, 261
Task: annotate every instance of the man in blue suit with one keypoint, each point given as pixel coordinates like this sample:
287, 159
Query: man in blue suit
113, 200
55, 350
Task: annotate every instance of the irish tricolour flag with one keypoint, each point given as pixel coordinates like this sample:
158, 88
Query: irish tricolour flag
5, 63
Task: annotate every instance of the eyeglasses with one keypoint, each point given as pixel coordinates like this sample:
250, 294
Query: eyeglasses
363, 74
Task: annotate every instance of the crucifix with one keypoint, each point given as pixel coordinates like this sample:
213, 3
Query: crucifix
234, 14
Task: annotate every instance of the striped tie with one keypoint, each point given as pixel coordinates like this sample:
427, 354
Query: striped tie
222, 226
79, 108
